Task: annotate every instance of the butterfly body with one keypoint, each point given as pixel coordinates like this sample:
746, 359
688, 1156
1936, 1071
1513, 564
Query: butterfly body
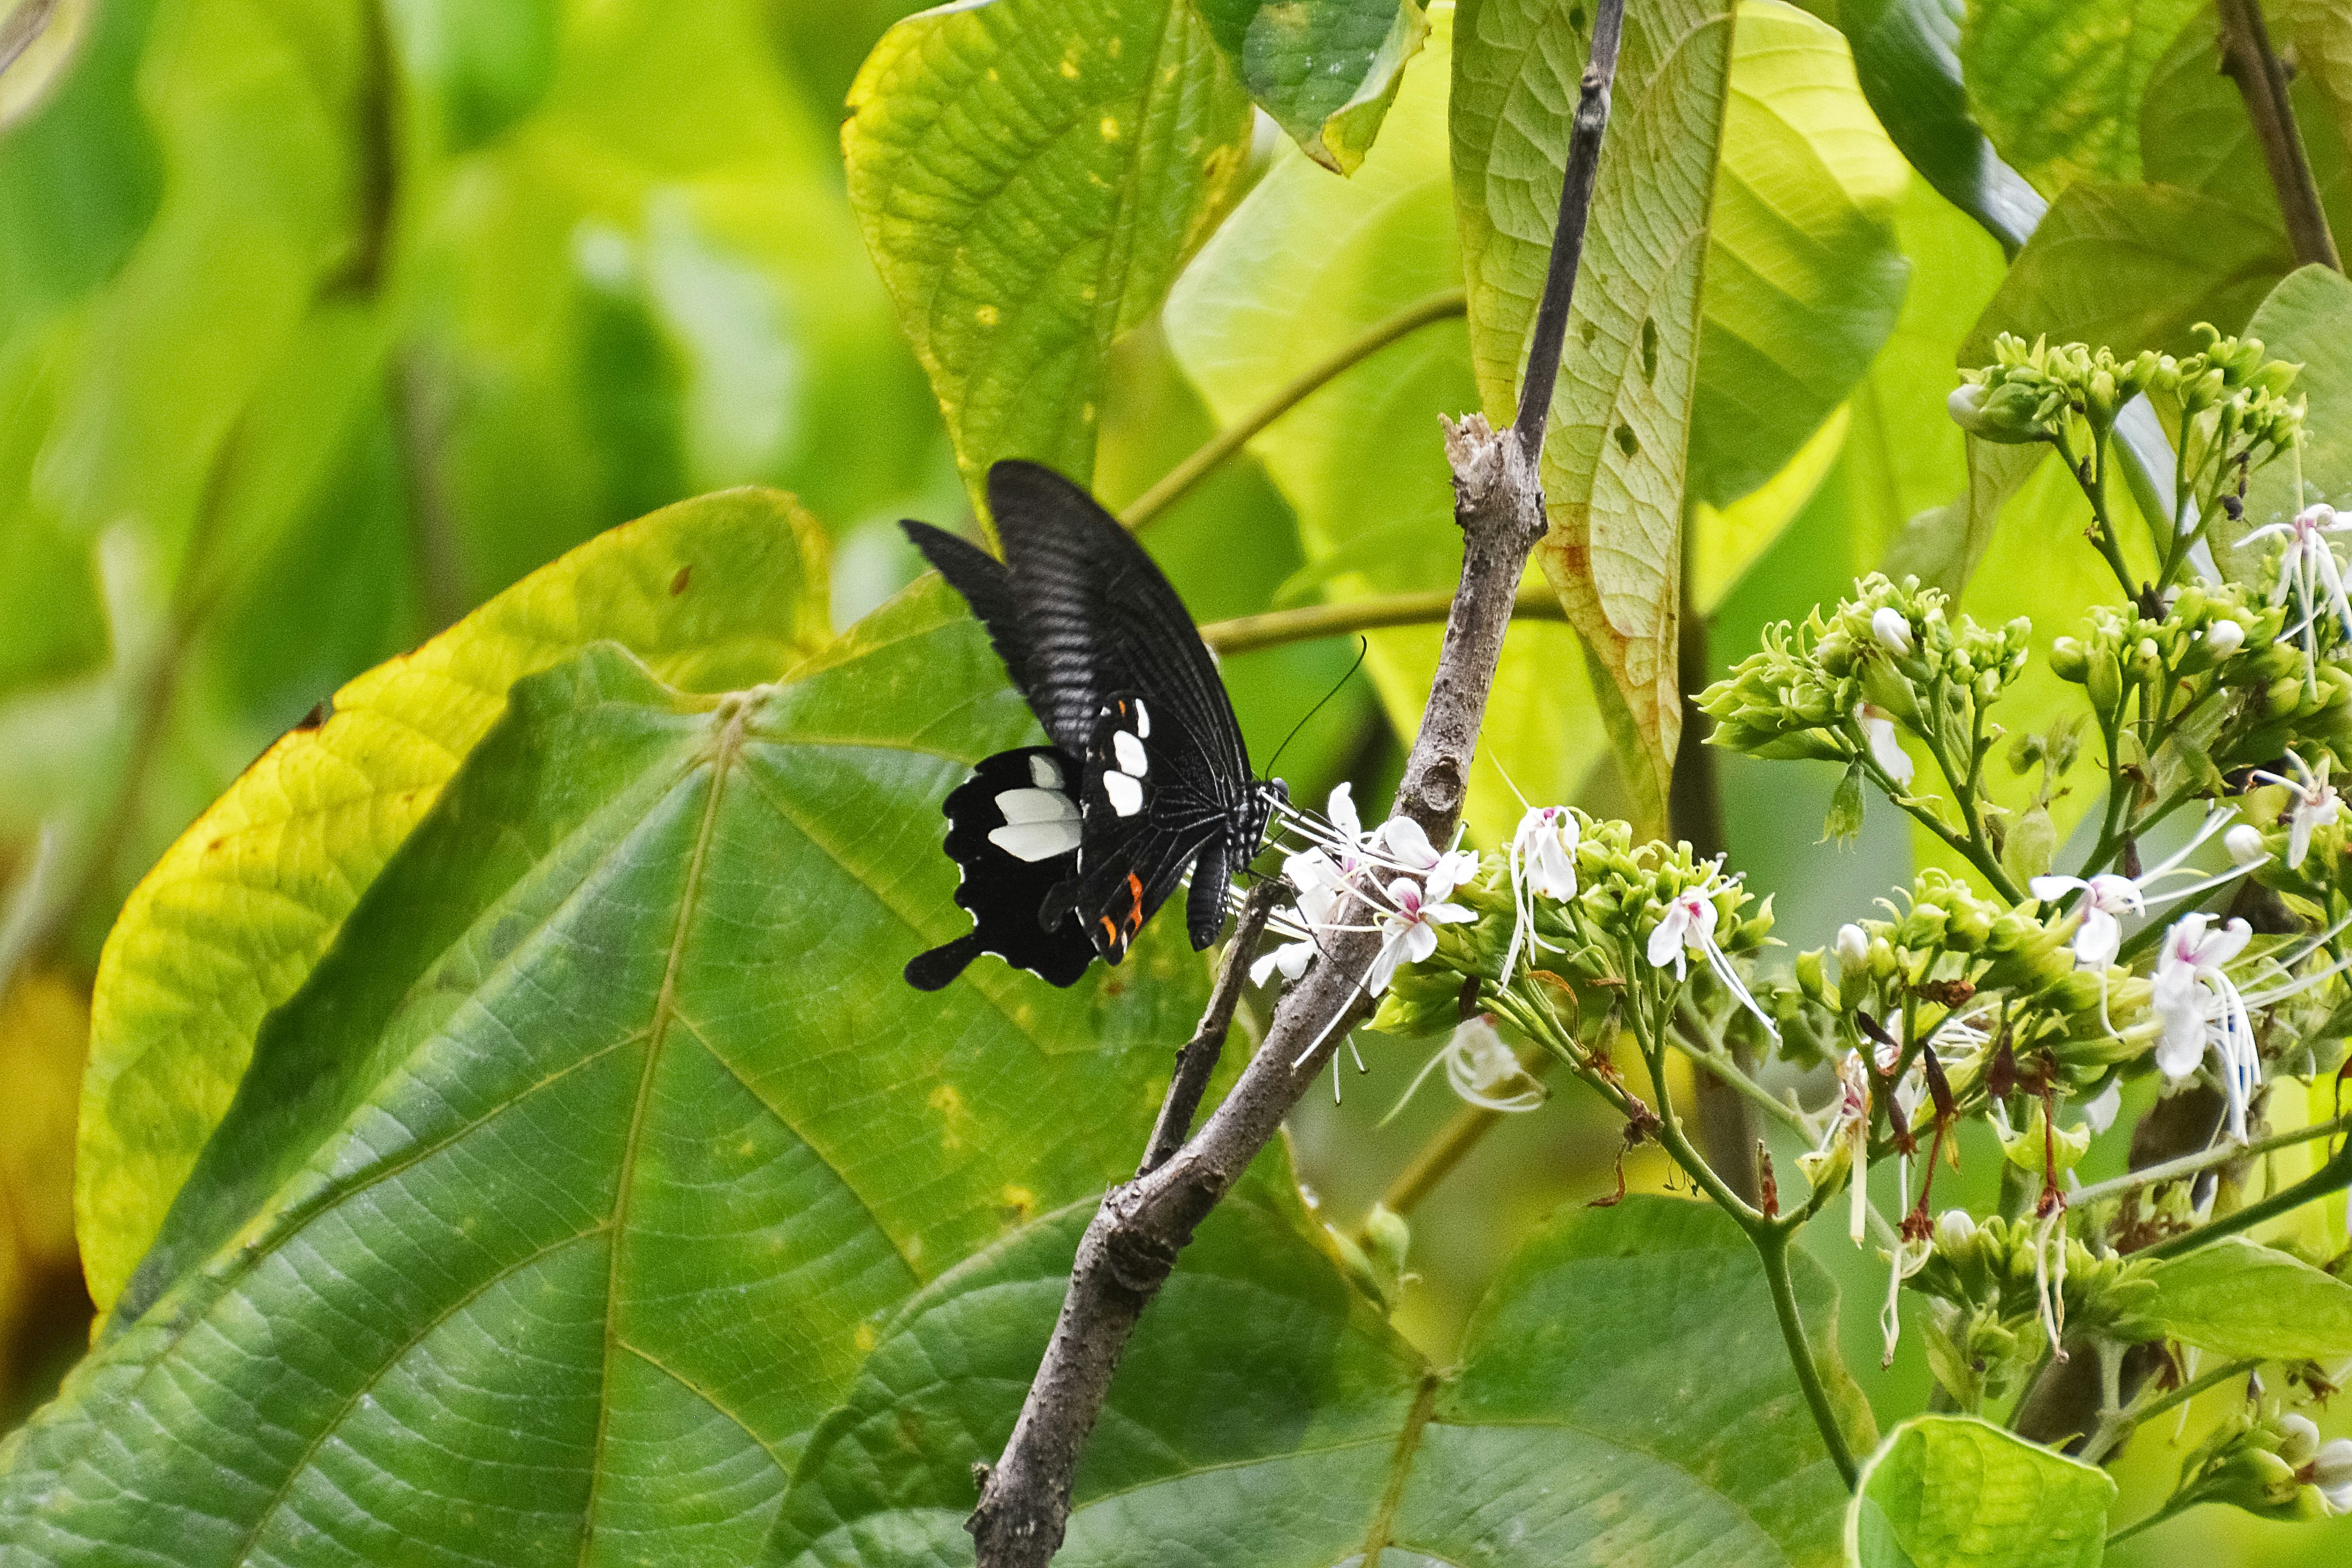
1094, 637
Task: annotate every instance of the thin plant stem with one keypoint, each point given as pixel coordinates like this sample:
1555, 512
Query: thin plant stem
2115, 1427
2249, 59
2326, 1181
2177, 1505
1772, 1247
1435, 1159
1246, 634
2205, 1160
1203, 461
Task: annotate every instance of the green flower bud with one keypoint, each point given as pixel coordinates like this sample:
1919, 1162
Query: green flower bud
2068, 661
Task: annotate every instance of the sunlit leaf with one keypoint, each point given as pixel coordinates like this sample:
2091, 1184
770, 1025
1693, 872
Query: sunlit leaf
2239, 1299
711, 594
2132, 268
569, 1189
1613, 452
1944, 545
1305, 266
1030, 175
2195, 132
1907, 55
1952, 1491
2307, 320
2058, 84
1325, 69
1804, 275
1265, 1416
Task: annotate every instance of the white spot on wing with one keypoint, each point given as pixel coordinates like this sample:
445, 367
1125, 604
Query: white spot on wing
1019, 805
1126, 794
1046, 774
1035, 840
1142, 720
1129, 752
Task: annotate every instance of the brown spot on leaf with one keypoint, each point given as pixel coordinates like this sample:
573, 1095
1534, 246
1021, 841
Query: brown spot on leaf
678, 584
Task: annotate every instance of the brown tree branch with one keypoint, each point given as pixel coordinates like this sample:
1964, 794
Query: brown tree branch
1198, 1059
2248, 59
1136, 1237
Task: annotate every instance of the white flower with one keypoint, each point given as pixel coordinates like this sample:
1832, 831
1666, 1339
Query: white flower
2189, 993
1482, 1069
2316, 804
2244, 843
1852, 949
1892, 630
1543, 865
1878, 729
1846, 1142
2331, 1472
1339, 811
1408, 849
1409, 933
2105, 898
1688, 927
2298, 1440
2223, 639
2308, 569
2099, 1111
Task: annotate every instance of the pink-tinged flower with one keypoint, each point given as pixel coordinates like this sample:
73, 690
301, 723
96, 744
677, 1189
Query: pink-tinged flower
1688, 927
1879, 730
2107, 897
1407, 849
2308, 569
1409, 931
2316, 804
2195, 1002
1543, 865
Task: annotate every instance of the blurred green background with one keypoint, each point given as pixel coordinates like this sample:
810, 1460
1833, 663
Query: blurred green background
322, 322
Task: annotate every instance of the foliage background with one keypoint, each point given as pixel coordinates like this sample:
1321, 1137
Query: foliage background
322, 322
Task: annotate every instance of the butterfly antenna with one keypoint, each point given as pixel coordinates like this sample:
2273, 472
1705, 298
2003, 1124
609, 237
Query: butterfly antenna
1363, 647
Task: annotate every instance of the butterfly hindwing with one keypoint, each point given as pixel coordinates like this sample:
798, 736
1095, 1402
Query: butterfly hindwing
1012, 831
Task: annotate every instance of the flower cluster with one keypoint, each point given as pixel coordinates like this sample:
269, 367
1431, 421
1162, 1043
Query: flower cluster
2269, 1462
2232, 396
1839, 687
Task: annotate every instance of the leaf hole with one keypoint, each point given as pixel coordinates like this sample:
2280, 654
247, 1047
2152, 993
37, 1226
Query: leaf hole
1588, 333
1649, 350
1625, 441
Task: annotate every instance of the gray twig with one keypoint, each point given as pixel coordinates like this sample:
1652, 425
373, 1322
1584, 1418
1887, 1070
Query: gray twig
1141, 1227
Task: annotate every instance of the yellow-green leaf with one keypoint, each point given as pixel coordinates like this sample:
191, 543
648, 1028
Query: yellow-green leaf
1325, 69
1952, 1491
2057, 84
713, 593
1030, 175
1613, 452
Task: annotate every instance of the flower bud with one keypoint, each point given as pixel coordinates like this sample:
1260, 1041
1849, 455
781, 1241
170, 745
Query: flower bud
1956, 1231
1892, 630
2244, 843
2106, 681
1853, 948
2298, 1440
2067, 660
2009, 413
2223, 639
1810, 978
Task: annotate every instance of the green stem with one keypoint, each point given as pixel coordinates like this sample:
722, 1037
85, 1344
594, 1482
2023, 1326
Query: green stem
2115, 1433
2330, 1178
2205, 1159
2176, 1506
1709, 1053
1772, 1247
1443, 307
1974, 849
1244, 634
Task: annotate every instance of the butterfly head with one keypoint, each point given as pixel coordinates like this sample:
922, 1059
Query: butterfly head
1267, 798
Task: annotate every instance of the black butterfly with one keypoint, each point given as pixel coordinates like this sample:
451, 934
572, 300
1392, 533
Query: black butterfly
1095, 639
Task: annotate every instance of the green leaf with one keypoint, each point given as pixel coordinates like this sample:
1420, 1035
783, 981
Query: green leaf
1265, 1415
565, 1195
1030, 175
1943, 546
1306, 265
1613, 456
2322, 32
2239, 1299
2195, 133
711, 594
2132, 268
1907, 55
1325, 69
1952, 1491
2058, 84
2307, 320
1804, 275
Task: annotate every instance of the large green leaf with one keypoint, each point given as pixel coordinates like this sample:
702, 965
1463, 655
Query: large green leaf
1804, 275
1614, 447
1325, 69
2307, 320
2322, 31
1907, 55
1952, 1491
2194, 132
2132, 268
232, 919
1306, 264
566, 1193
2237, 1298
2058, 84
1030, 175
1265, 1418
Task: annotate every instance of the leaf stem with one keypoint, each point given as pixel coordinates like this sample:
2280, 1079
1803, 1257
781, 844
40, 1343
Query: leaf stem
2116, 1428
1772, 1247
1147, 506
1246, 634
2248, 59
